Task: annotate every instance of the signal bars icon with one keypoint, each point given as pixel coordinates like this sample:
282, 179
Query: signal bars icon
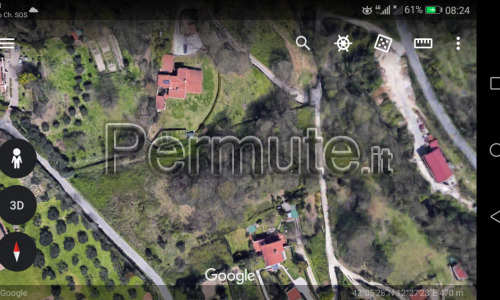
386, 11
6, 43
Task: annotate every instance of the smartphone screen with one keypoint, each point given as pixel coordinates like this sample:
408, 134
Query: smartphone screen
245, 150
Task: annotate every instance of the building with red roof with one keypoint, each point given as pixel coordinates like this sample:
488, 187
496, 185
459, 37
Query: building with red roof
176, 83
272, 248
436, 162
459, 272
293, 294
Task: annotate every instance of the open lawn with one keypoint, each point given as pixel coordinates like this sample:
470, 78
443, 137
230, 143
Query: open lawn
410, 256
82, 141
237, 92
238, 240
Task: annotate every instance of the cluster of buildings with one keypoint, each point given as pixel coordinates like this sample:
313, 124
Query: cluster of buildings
3, 78
175, 82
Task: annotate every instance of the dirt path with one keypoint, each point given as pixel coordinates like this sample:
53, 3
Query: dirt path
301, 250
298, 95
430, 96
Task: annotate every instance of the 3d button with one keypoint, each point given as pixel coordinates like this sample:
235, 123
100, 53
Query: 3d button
17, 251
17, 205
17, 158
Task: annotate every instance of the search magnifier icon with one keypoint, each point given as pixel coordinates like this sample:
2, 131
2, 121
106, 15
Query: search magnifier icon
301, 41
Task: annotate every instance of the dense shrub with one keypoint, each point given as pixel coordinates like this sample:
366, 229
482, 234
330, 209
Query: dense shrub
53, 213
45, 236
75, 260
39, 259
72, 218
61, 227
84, 270
62, 267
54, 251
69, 243
48, 272
83, 110
91, 252
66, 119
86, 97
82, 237
72, 111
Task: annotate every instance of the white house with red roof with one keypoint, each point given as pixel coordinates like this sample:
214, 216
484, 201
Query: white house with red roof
272, 248
176, 83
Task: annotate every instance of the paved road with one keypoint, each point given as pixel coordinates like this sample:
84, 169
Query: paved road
431, 98
315, 96
297, 94
261, 282
6, 125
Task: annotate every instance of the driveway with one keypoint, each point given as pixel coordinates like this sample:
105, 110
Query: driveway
431, 98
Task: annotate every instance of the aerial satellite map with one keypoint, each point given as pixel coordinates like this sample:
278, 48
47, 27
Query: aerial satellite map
238, 150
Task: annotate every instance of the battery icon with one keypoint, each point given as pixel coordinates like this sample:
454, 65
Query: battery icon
433, 10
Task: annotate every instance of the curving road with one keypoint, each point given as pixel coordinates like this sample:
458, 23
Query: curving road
431, 98
6, 125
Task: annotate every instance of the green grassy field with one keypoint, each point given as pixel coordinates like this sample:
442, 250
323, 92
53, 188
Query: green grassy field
267, 44
237, 92
60, 74
317, 257
238, 240
32, 277
411, 257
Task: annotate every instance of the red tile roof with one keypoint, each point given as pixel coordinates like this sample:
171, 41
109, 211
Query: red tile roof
294, 294
436, 162
178, 85
434, 144
160, 102
459, 272
273, 253
167, 63
272, 248
194, 81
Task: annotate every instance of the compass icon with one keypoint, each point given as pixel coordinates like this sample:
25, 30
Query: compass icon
366, 10
343, 43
